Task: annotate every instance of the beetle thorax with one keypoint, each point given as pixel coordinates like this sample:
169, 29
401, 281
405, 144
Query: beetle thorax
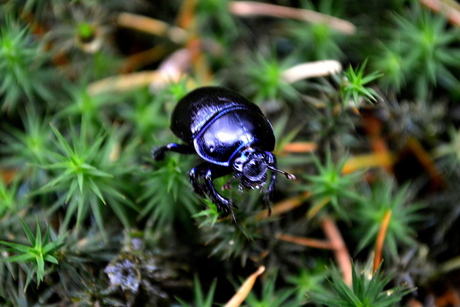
252, 167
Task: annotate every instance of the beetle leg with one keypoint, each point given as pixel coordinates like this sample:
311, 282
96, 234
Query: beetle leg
209, 172
159, 153
228, 185
198, 188
270, 192
221, 202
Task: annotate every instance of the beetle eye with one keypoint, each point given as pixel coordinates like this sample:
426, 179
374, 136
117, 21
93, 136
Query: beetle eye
238, 165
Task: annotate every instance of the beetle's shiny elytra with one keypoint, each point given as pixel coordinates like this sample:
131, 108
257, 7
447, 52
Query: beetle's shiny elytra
229, 133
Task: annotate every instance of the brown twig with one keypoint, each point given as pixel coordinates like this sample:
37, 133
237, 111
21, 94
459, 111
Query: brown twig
143, 58
373, 127
123, 83
449, 8
334, 242
285, 205
383, 159
250, 8
186, 16
315, 243
413, 302
341, 253
245, 288
199, 61
449, 297
299, 147
381, 239
7, 175
437, 180
311, 70
152, 26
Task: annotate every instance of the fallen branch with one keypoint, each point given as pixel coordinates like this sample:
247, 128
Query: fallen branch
381, 240
448, 8
285, 205
334, 242
341, 253
311, 70
378, 159
152, 26
300, 147
245, 288
315, 243
123, 83
250, 8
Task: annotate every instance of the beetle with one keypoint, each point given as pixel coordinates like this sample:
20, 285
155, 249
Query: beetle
231, 134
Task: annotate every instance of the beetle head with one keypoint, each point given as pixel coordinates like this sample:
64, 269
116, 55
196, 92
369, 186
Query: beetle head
251, 165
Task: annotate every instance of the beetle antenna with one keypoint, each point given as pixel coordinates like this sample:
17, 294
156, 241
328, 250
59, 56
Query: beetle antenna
288, 175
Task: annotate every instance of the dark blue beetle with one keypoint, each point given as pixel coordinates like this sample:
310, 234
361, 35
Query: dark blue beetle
231, 134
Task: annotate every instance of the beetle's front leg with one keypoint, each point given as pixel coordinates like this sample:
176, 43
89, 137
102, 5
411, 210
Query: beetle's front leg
210, 172
159, 153
195, 174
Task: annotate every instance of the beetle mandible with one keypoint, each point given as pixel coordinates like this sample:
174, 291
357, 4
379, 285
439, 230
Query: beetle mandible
230, 134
